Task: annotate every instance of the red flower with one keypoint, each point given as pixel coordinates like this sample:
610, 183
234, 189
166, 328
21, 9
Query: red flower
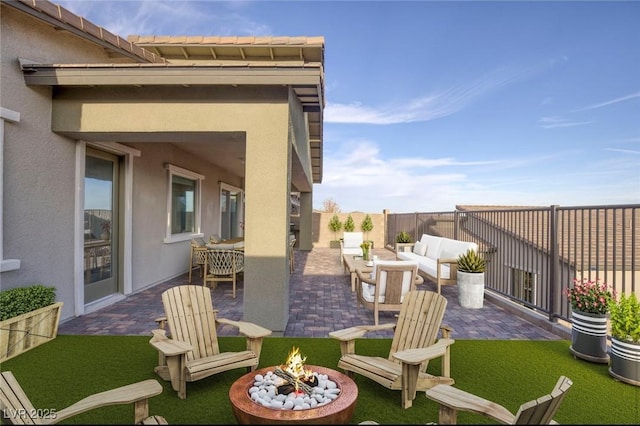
590, 296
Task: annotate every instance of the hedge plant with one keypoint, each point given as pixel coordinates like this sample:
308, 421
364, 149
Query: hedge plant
18, 301
335, 225
349, 225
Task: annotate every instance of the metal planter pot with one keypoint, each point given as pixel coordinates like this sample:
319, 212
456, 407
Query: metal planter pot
625, 361
589, 336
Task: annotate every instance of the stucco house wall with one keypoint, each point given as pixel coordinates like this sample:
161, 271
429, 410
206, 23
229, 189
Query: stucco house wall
39, 178
76, 94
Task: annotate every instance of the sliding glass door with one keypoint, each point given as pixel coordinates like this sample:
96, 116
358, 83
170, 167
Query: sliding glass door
100, 225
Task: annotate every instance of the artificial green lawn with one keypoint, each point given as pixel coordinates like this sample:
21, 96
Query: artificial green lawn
69, 368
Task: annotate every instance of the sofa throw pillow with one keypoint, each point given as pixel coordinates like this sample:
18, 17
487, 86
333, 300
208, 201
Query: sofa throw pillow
221, 246
420, 248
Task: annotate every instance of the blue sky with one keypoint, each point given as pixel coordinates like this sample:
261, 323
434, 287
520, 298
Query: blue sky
433, 104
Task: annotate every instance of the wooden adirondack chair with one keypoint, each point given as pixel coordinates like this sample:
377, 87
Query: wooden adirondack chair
17, 408
415, 343
539, 411
191, 352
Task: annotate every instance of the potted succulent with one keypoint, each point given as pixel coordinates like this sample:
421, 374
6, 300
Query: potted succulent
403, 241
590, 301
29, 317
625, 339
335, 225
470, 276
403, 237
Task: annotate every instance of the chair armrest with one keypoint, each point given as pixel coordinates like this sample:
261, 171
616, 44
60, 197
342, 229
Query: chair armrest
446, 331
170, 347
161, 322
420, 355
248, 329
349, 335
365, 277
352, 333
128, 394
447, 260
460, 400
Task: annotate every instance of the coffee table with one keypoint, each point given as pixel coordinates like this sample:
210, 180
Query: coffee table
351, 263
339, 411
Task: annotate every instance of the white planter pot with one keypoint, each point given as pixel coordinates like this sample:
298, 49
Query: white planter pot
471, 289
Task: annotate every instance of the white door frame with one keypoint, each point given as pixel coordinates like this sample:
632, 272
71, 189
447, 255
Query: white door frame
128, 154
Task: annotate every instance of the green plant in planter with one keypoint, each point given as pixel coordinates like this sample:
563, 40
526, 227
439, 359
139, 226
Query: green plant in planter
367, 225
335, 225
624, 315
20, 300
349, 224
471, 262
403, 237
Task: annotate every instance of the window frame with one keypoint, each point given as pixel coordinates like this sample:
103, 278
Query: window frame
174, 170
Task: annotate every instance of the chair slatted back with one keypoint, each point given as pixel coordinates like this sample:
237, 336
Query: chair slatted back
15, 405
541, 411
393, 281
192, 319
419, 321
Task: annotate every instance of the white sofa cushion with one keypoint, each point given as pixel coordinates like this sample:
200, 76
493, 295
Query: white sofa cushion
352, 239
451, 249
221, 246
368, 290
420, 248
433, 245
427, 265
356, 251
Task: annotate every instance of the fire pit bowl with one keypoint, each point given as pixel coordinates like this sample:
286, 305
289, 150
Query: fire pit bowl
339, 411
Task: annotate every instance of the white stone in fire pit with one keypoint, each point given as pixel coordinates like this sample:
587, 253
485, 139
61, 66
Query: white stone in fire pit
264, 392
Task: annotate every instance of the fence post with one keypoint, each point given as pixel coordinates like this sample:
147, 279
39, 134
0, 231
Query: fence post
554, 270
456, 223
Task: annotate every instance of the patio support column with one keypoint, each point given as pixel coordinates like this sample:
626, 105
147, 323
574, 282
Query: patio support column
306, 219
267, 205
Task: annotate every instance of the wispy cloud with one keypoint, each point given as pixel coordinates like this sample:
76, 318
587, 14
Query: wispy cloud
558, 121
624, 151
153, 17
610, 102
425, 108
553, 122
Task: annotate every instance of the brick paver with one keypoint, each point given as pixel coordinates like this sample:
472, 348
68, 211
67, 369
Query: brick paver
321, 301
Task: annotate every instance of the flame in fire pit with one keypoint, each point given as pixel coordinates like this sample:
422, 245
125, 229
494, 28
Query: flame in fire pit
295, 365
295, 377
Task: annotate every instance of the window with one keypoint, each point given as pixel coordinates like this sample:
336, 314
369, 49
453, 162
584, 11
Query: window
183, 205
523, 285
231, 211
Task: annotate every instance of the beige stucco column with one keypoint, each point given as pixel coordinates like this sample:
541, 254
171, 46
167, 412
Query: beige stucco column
306, 220
266, 277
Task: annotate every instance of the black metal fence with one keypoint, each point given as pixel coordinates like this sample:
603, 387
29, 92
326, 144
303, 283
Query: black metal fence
534, 254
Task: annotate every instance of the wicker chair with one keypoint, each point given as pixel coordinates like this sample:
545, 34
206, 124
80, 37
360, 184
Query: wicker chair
197, 257
223, 265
